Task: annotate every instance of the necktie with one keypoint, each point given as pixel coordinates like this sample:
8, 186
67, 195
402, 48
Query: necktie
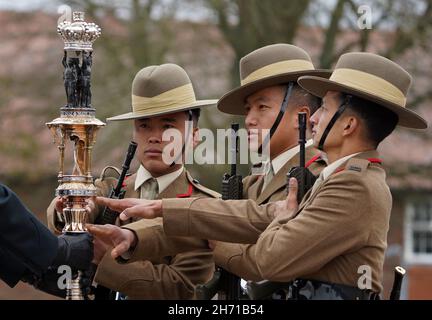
269, 174
149, 189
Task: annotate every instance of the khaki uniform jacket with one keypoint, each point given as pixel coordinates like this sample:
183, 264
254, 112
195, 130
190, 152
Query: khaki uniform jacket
338, 230
168, 277
226, 254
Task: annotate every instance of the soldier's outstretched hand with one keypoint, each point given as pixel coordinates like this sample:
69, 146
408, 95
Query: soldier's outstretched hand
109, 235
129, 208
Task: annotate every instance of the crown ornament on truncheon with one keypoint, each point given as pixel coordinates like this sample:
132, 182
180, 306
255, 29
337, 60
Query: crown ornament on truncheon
78, 34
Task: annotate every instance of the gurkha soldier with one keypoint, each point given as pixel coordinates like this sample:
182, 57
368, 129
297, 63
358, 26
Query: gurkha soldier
341, 225
162, 98
269, 98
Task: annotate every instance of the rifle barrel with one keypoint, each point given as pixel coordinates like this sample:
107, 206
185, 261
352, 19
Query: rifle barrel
302, 137
399, 273
126, 165
234, 148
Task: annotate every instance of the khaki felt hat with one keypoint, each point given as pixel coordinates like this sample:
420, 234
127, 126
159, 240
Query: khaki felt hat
159, 90
265, 67
370, 77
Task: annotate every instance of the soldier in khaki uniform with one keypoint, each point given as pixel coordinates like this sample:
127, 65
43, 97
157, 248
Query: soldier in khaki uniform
162, 98
340, 227
269, 98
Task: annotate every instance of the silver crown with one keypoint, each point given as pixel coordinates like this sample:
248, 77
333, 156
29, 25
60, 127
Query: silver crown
78, 35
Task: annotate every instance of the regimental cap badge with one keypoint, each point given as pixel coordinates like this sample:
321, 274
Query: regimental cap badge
78, 35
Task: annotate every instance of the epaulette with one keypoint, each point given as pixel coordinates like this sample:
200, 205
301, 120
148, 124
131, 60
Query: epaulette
115, 173
195, 183
358, 165
111, 180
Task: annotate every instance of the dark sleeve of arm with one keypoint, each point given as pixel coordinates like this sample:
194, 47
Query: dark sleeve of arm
11, 268
23, 235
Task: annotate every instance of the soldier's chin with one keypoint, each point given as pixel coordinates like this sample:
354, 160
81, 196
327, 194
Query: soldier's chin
153, 157
315, 140
155, 164
254, 144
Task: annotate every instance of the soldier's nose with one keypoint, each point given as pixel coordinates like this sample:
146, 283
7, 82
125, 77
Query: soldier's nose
154, 140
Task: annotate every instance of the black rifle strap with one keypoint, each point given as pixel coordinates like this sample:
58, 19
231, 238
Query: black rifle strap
278, 118
333, 120
188, 130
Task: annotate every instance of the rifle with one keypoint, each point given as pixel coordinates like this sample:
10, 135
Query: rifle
305, 180
109, 216
226, 284
399, 273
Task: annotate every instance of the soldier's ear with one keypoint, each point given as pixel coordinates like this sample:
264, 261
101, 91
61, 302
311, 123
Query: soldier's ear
301, 109
351, 125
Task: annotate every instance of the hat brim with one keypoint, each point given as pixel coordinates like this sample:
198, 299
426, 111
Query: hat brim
149, 114
319, 87
233, 102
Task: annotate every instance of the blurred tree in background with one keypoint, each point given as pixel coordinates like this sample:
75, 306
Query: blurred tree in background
250, 24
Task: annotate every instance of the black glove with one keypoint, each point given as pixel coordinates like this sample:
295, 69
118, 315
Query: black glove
86, 280
49, 282
75, 250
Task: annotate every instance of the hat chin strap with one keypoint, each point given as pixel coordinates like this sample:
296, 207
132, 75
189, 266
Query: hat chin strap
278, 118
333, 120
188, 130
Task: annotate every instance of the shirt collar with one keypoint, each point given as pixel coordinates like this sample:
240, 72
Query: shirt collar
284, 157
331, 168
163, 181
